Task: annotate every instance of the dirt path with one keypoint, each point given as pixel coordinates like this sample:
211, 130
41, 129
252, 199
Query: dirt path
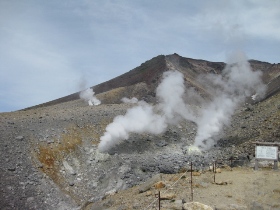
241, 188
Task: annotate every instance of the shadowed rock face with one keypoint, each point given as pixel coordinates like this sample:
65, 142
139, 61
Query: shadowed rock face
49, 152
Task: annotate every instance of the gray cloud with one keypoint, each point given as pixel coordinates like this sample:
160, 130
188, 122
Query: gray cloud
47, 46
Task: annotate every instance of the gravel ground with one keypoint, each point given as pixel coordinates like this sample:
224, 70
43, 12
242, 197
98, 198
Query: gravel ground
237, 188
50, 159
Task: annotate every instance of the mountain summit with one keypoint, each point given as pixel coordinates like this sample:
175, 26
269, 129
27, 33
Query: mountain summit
141, 81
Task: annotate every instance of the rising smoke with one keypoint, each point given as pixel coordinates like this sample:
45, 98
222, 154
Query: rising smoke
171, 92
228, 91
139, 119
237, 82
88, 96
147, 118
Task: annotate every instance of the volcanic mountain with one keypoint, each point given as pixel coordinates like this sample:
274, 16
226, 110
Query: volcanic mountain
142, 81
49, 152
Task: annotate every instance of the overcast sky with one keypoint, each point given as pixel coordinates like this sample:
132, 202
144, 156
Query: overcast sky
50, 49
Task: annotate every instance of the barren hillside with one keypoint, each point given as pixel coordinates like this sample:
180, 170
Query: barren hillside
50, 157
142, 81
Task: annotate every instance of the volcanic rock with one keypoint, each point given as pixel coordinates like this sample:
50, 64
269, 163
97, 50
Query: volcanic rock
196, 206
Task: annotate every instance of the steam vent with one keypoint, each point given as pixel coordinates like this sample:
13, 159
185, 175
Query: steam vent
154, 129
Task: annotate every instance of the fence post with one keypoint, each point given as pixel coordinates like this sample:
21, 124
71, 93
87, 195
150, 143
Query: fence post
158, 196
191, 184
158, 200
214, 171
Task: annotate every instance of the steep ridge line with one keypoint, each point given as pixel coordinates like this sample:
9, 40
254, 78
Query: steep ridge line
149, 73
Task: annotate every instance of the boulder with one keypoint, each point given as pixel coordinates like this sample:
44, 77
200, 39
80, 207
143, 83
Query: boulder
167, 196
196, 206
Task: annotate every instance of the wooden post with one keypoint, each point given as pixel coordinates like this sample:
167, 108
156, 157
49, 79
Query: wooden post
191, 184
256, 164
158, 200
158, 196
214, 171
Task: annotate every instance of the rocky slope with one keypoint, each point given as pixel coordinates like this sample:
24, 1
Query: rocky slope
49, 152
142, 81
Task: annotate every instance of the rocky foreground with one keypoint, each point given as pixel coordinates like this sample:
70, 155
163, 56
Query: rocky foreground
49, 159
234, 188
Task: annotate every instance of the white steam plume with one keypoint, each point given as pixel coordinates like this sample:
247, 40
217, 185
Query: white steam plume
148, 118
129, 100
237, 82
228, 91
171, 92
138, 119
88, 96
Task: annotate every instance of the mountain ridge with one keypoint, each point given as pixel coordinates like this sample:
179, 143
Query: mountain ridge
150, 73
